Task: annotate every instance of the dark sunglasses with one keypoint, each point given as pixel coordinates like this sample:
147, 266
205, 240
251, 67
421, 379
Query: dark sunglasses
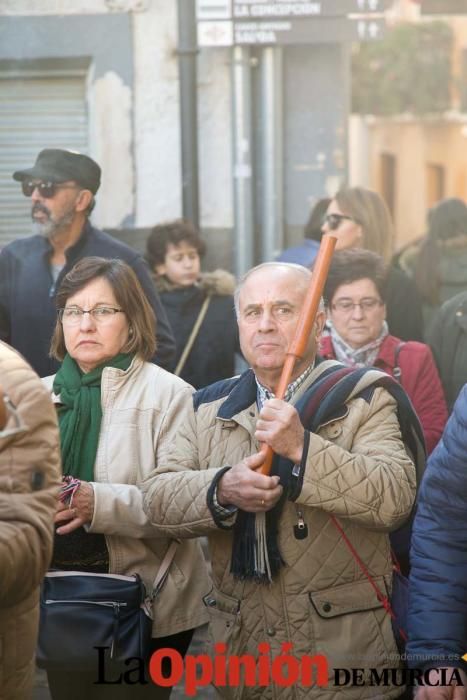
335, 220
46, 189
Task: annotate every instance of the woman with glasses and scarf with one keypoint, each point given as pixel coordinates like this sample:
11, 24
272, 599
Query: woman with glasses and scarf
112, 403
355, 299
359, 218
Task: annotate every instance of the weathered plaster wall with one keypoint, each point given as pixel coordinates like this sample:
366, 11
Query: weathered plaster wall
215, 141
156, 114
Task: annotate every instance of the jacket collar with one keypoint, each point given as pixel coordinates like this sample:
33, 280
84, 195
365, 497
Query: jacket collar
72, 253
112, 378
243, 395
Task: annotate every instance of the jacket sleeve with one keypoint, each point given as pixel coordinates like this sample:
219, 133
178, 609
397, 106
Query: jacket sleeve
29, 480
427, 396
373, 483
437, 620
4, 297
165, 341
176, 495
118, 508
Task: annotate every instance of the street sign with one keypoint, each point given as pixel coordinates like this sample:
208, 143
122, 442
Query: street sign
282, 22
213, 9
262, 9
285, 32
208, 10
215, 33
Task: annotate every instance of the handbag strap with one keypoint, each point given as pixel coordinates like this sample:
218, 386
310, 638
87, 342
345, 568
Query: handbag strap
383, 599
397, 372
164, 569
193, 334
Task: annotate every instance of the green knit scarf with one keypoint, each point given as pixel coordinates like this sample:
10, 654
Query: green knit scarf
80, 415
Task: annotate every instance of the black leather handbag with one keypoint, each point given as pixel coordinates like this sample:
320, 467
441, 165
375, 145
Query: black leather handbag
80, 611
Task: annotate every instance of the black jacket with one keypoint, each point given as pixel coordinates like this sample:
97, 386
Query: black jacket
447, 337
403, 306
213, 354
27, 294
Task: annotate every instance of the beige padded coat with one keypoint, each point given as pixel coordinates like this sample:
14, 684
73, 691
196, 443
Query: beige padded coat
357, 469
135, 407
29, 479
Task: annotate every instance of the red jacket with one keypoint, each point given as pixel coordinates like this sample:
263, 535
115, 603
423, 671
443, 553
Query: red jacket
419, 377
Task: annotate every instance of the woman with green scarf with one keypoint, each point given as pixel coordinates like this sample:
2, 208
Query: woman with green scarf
111, 402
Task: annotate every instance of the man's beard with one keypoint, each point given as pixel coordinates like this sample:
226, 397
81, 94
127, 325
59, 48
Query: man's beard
51, 227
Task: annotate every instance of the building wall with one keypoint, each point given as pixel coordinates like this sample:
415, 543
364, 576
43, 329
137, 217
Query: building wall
132, 94
422, 149
418, 147
134, 115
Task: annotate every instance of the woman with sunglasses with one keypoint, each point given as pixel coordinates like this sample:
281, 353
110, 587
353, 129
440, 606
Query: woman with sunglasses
112, 403
359, 218
355, 300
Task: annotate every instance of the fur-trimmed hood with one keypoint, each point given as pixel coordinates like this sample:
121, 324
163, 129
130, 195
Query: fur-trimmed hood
218, 282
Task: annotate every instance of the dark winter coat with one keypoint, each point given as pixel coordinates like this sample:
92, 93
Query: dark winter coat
212, 356
27, 294
417, 373
403, 306
447, 337
438, 581
451, 270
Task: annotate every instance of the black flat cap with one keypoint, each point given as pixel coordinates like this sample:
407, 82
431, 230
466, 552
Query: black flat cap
57, 165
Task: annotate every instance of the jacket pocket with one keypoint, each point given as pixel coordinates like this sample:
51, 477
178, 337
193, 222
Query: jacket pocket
224, 618
351, 627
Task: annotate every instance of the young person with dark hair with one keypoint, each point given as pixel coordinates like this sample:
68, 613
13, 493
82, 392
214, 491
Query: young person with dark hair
199, 305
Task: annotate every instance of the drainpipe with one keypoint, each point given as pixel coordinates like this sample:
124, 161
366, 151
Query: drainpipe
242, 160
187, 56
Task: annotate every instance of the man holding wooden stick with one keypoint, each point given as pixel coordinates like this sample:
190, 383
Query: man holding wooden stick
282, 573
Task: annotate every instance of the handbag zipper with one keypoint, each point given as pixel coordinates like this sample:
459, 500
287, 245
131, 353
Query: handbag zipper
108, 603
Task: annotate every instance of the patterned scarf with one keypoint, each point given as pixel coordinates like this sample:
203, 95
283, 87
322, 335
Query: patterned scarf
357, 357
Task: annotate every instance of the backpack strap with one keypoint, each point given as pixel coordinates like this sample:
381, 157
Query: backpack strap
192, 338
164, 569
397, 372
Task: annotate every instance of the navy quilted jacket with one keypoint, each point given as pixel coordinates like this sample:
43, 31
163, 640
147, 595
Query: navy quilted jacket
438, 579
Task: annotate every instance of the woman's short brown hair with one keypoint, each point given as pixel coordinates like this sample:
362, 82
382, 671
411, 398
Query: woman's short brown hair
129, 295
355, 264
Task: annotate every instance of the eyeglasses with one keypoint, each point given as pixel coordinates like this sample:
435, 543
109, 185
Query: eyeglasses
72, 315
346, 305
46, 189
335, 220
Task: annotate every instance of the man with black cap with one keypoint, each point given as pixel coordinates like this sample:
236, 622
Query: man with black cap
62, 185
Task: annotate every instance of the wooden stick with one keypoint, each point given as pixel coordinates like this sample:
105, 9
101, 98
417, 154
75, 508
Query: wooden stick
304, 326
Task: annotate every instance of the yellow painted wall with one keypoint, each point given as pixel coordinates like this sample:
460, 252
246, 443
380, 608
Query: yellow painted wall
416, 145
